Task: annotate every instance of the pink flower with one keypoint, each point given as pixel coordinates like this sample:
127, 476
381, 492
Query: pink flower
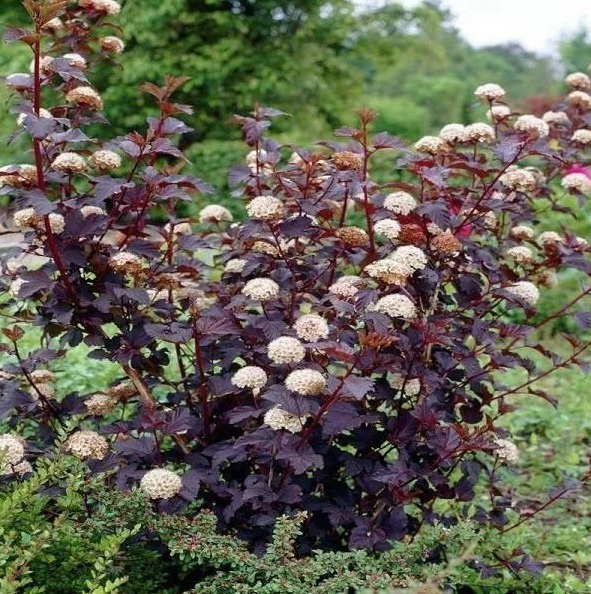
579, 168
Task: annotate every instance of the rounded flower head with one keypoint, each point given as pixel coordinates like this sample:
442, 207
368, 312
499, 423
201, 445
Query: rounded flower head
353, 236
556, 118
453, 133
547, 278
582, 136
480, 132
254, 156
446, 243
21, 468
265, 208
306, 382
100, 404
57, 224
550, 237
400, 203
235, 266
535, 127
343, 290
525, 291
178, 229
69, 163
390, 228
261, 289
506, 450
518, 179
490, 92
89, 210
521, 232
278, 419
26, 218
160, 483
12, 450
578, 80
432, 145
53, 25
520, 254
76, 60
409, 255
577, 181
43, 113
389, 271
498, 113
107, 6
87, 444
105, 160
127, 263
286, 349
85, 97
251, 377
112, 44
42, 376
579, 99
347, 160
215, 213
311, 327
396, 306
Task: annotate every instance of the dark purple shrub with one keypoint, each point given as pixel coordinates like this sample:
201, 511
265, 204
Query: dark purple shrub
341, 352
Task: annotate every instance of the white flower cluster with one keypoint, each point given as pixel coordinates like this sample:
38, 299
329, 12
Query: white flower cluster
235, 266
12, 452
521, 232
535, 127
278, 419
525, 291
582, 136
265, 208
412, 257
480, 132
307, 382
110, 7
498, 113
160, 483
90, 210
556, 118
311, 327
76, 60
411, 386
100, 403
27, 218
400, 203
105, 160
87, 444
578, 80
69, 163
432, 145
396, 306
215, 213
126, 262
518, 179
389, 271
390, 228
112, 44
520, 254
85, 97
453, 133
251, 377
550, 238
579, 99
490, 92
286, 349
506, 450
577, 181
261, 289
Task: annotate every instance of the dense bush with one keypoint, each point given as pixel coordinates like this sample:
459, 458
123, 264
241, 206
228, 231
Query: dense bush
294, 362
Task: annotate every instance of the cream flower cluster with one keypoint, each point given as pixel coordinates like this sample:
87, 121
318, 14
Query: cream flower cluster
410, 256
518, 179
261, 289
160, 483
100, 404
85, 97
112, 44
311, 327
87, 444
110, 7
579, 99
251, 377
389, 271
432, 145
480, 132
396, 306
126, 262
105, 160
453, 133
12, 451
265, 208
524, 290
69, 163
390, 228
490, 92
520, 254
286, 349
549, 238
278, 419
307, 382
235, 266
556, 118
578, 80
27, 218
498, 113
506, 450
521, 232
411, 386
400, 203
535, 127
577, 181
215, 213
90, 210
582, 136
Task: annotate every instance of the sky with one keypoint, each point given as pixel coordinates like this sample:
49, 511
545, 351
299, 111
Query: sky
536, 24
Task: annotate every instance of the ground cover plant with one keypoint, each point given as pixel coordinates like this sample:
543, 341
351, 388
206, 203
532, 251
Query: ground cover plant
341, 355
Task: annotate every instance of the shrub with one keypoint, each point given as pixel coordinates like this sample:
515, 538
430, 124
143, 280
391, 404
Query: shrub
368, 415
